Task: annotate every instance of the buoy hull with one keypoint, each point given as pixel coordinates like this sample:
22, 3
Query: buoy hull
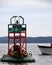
6, 58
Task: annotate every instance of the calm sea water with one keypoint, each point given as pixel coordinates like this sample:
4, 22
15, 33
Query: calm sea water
36, 53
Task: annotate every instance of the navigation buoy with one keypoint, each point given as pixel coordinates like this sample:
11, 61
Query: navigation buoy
17, 46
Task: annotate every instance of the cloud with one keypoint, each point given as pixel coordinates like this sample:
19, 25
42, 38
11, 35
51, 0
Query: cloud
44, 0
23, 3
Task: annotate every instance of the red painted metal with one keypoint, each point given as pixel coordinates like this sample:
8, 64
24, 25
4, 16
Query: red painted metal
20, 37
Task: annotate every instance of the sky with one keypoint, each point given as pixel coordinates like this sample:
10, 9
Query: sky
37, 15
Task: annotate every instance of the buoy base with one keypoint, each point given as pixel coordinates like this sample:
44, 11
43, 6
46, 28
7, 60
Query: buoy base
7, 58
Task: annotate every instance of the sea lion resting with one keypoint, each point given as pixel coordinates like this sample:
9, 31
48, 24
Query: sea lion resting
15, 52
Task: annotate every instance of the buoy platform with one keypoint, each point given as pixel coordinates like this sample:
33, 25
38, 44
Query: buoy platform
6, 58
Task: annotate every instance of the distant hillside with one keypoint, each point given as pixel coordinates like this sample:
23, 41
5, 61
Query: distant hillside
30, 39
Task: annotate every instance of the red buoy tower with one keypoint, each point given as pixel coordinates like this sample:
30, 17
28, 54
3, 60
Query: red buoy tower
17, 33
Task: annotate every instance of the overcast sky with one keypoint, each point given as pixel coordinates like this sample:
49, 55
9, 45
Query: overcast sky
37, 15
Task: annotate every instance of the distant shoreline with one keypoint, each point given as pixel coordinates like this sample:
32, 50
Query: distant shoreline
30, 39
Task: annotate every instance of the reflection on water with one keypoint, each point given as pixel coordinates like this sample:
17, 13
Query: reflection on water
17, 63
5, 63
